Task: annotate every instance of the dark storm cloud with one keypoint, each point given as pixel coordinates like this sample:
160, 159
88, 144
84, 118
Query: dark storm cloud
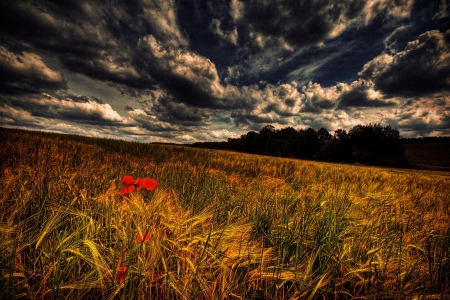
276, 41
359, 96
162, 113
94, 39
422, 68
318, 98
13, 117
61, 27
134, 46
25, 72
69, 108
421, 117
230, 36
148, 121
249, 120
82, 99
302, 23
108, 69
30, 85
191, 78
181, 114
197, 65
311, 22
82, 34
267, 103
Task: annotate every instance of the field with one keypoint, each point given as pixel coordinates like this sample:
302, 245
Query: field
219, 225
431, 156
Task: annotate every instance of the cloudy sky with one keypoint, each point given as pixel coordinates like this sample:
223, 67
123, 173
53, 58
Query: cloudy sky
185, 71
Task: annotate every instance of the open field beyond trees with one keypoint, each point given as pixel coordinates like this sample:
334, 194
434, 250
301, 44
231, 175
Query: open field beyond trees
219, 225
431, 156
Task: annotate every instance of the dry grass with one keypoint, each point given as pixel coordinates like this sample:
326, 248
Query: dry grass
222, 225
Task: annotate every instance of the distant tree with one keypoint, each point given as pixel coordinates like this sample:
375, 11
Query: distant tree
287, 142
253, 143
324, 136
235, 144
372, 144
268, 134
309, 144
325, 141
338, 149
340, 134
375, 143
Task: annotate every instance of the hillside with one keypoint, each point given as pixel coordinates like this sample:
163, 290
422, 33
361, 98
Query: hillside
429, 156
218, 225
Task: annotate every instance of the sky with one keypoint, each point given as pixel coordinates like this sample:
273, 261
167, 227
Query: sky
191, 71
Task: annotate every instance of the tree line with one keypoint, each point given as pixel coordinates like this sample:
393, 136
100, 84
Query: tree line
365, 144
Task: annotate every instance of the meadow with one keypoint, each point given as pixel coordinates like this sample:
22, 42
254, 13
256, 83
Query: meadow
429, 156
219, 225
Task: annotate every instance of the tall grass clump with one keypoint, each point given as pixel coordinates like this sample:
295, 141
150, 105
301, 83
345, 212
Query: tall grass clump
220, 225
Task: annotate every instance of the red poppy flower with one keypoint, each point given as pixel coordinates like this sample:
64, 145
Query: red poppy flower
144, 237
129, 182
147, 183
121, 272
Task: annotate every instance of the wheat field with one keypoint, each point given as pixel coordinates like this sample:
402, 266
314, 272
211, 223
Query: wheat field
219, 225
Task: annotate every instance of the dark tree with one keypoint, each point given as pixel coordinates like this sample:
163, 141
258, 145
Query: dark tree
309, 143
253, 142
371, 144
268, 134
375, 143
287, 142
338, 148
324, 136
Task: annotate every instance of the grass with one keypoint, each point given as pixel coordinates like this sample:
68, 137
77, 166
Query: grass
222, 225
